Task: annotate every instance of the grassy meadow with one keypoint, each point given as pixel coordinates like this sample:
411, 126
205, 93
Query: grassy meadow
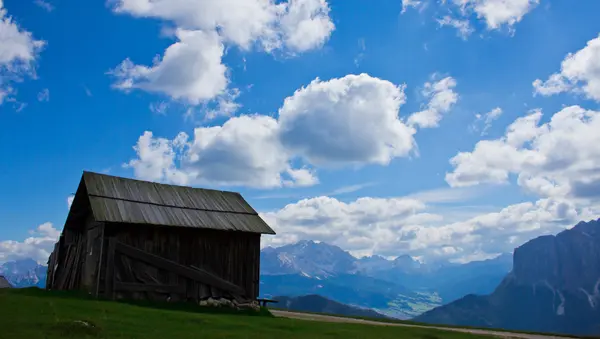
34, 313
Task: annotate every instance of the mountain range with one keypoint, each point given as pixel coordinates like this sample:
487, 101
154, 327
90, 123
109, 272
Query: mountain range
400, 288
24, 273
554, 287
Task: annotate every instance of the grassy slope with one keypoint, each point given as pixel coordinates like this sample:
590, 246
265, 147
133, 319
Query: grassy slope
411, 322
39, 314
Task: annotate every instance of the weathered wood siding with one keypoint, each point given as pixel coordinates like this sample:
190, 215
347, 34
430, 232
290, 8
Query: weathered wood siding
232, 256
69, 261
93, 235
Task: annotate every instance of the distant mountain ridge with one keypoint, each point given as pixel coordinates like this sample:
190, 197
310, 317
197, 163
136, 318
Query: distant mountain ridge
554, 287
319, 304
24, 273
307, 258
320, 260
401, 288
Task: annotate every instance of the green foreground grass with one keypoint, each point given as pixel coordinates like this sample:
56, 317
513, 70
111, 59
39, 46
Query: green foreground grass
33, 313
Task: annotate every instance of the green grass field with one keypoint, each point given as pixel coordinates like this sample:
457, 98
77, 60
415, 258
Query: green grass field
33, 313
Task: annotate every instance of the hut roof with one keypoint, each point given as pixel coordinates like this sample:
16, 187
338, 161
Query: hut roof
122, 200
4, 283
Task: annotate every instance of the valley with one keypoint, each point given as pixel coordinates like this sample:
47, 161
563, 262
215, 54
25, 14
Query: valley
402, 288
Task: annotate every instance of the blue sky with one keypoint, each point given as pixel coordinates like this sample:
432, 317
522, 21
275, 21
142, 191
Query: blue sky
79, 89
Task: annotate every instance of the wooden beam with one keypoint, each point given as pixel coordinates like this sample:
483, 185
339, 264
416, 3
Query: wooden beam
196, 274
99, 269
109, 280
135, 287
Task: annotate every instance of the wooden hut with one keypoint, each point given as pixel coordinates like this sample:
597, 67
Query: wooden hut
134, 239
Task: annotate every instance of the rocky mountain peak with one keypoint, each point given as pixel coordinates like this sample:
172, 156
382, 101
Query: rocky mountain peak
22, 273
308, 258
554, 287
570, 260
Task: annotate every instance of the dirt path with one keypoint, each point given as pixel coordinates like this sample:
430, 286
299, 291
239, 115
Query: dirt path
333, 319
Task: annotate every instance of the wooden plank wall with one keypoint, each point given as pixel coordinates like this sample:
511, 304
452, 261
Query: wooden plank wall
93, 237
233, 256
70, 261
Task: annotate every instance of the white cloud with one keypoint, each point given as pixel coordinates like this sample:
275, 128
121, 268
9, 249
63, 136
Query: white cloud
47, 6
297, 25
557, 159
441, 97
579, 72
38, 246
70, 199
298, 195
361, 54
189, 70
417, 4
330, 220
403, 225
5, 92
446, 195
495, 13
486, 119
346, 121
18, 53
240, 21
463, 27
349, 120
306, 24
243, 151
156, 158
192, 68
44, 95
225, 105
159, 107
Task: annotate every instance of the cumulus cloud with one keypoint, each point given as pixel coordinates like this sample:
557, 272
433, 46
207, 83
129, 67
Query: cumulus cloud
402, 225
70, 199
298, 25
441, 97
349, 120
305, 25
579, 73
240, 22
38, 246
497, 13
18, 53
190, 69
555, 159
243, 151
346, 121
